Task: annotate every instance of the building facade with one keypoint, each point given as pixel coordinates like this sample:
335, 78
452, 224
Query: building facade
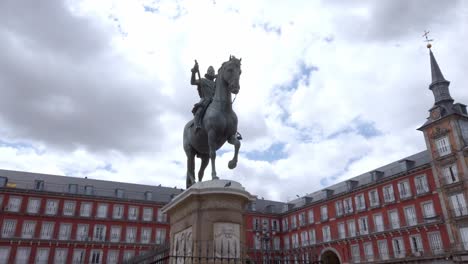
411, 210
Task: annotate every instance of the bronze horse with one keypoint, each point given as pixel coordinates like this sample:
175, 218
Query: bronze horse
218, 126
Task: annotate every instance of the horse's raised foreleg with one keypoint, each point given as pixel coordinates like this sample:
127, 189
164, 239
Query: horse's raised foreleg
236, 142
205, 159
212, 147
190, 168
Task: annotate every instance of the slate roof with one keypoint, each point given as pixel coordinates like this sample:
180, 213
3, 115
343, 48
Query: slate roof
60, 184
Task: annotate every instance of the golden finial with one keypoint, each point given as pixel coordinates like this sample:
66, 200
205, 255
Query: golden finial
426, 33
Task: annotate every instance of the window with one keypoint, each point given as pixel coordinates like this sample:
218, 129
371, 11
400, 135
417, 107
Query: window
115, 233
118, 211
394, 219
256, 224
374, 198
128, 254
443, 146
51, 207
22, 255
4, 255
324, 213
304, 239
60, 256
276, 243
89, 190
368, 251
378, 223
102, 210
145, 235
404, 189
132, 213
389, 195
416, 245
421, 184
42, 256
286, 242
274, 225
428, 209
28, 229
162, 217
450, 173
326, 233
69, 208
119, 193
64, 231
363, 226
160, 236
398, 247
34, 205
302, 219
285, 224
339, 208
410, 215
360, 202
95, 257
1, 201
9, 227
293, 222
341, 230
3, 181
78, 256
147, 214
356, 256
72, 188
85, 209
464, 237
435, 243
14, 204
348, 205
82, 232
38, 185
459, 204
130, 236
312, 239
148, 196
383, 249
310, 215
99, 233
295, 240
265, 224
112, 256
47, 230
351, 228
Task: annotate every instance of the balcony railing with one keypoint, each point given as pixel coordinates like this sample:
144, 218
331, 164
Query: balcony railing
452, 180
459, 212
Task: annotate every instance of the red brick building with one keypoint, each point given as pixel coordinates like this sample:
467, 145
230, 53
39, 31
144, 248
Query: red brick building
411, 210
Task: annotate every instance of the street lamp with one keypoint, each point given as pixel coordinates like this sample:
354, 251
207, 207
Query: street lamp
265, 237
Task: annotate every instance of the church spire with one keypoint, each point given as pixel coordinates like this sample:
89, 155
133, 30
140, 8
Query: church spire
439, 86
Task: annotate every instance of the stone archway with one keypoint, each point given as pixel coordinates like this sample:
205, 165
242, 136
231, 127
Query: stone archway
330, 256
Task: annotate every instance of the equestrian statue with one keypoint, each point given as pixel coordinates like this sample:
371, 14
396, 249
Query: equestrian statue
214, 120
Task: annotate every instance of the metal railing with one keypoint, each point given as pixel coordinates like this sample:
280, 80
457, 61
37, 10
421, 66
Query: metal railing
459, 212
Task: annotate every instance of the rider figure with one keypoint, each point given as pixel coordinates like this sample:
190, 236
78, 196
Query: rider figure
206, 90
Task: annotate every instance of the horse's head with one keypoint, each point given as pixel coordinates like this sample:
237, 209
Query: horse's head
231, 73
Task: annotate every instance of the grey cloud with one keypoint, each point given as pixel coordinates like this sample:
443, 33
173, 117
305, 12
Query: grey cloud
60, 83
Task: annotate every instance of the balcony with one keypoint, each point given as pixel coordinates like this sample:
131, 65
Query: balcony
453, 181
459, 213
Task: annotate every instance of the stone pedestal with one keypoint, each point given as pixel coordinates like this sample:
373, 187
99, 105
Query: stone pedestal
208, 219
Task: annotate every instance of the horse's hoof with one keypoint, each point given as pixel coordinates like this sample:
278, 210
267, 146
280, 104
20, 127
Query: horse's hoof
232, 164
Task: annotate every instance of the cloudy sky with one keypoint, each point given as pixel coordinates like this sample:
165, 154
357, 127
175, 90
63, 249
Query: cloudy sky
329, 89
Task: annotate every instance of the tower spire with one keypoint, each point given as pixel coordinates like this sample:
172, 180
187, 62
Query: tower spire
439, 86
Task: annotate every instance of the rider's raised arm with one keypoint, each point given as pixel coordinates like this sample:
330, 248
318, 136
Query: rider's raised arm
193, 81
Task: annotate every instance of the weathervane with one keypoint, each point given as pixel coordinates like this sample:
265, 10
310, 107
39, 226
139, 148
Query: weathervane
426, 33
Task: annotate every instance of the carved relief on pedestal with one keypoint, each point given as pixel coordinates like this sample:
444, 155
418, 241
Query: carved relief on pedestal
227, 240
182, 245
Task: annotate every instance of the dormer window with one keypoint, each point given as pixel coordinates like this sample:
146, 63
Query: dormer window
443, 146
89, 190
3, 181
148, 196
119, 193
38, 185
72, 188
